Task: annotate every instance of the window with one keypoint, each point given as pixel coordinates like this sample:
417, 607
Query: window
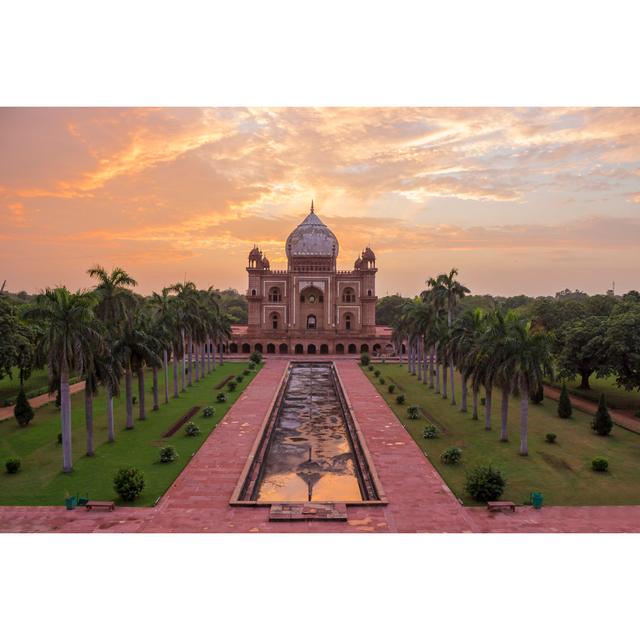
348, 295
253, 292
369, 293
312, 299
347, 321
274, 320
311, 322
275, 295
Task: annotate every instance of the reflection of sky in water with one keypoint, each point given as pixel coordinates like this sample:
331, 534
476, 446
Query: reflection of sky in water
310, 457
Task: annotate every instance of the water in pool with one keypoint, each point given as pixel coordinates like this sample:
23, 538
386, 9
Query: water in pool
310, 457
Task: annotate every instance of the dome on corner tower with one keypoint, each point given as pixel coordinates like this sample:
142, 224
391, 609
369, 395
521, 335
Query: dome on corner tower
312, 238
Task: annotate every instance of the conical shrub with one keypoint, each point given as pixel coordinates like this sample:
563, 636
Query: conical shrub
537, 395
23, 411
602, 423
564, 403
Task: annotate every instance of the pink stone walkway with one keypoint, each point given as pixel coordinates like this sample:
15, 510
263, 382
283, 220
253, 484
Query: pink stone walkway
39, 401
419, 501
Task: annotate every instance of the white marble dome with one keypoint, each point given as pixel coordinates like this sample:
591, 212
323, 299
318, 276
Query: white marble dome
312, 237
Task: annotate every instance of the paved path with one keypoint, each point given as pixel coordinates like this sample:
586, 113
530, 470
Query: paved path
419, 501
38, 401
619, 417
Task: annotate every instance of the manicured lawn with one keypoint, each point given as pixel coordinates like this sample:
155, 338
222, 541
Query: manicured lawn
617, 398
41, 481
9, 387
561, 471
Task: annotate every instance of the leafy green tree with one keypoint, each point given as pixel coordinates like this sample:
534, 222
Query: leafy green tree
388, 308
622, 342
564, 403
583, 351
602, 423
8, 334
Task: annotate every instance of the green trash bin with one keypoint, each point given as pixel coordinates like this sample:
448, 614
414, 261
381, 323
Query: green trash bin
536, 500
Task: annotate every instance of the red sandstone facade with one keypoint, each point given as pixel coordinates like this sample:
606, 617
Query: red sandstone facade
311, 307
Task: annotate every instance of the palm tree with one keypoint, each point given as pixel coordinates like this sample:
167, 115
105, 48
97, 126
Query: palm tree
465, 334
116, 302
186, 319
530, 361
135, 347
164, 330
68, 319
447, 292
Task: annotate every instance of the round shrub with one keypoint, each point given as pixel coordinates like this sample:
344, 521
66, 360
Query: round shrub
252, 365
391, 388
221, 397
22, 411
168, 454
365, 359
413, 413
400, 398
239, 378
246, 372
600, 464
376, 373
13, 465
208, 412
550, 438
484, 483
192, 430
232, 385
256, 357
430, 432
371, 367
381, 380
452, 455
128, 483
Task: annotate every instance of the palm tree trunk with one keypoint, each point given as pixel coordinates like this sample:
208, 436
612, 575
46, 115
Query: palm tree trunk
203, 359
419, 361
425, 364
175, 373
220, 354
156, 405
437, 372
524, 418
452, 381
65, 418
474, 415
165, 364
463, 401
504, 414
431, 359
128, 392
190, 356
142, 415
208, 348
111, 427
184, 362
487, 408
444, 379
88, 415
196, 363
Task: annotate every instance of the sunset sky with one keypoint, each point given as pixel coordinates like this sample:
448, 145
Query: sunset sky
520, 200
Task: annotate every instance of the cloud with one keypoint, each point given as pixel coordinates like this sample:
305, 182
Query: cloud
161, 187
